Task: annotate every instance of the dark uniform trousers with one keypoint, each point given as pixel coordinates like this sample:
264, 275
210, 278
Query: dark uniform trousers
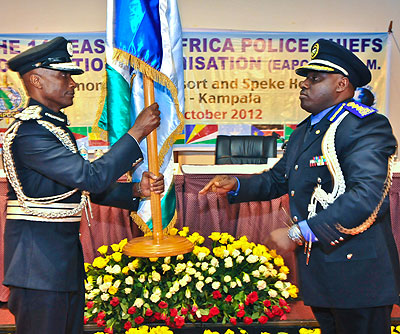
47, 312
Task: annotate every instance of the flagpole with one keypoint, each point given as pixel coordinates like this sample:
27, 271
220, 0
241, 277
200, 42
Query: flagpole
159, 245
152, 154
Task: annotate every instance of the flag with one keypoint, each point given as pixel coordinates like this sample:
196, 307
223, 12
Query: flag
145, 37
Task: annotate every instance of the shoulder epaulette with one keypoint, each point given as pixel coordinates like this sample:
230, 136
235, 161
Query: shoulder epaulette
336, 112
359, 109
31, 112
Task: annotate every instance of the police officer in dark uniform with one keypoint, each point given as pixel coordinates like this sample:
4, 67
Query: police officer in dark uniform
50, 185
337, 172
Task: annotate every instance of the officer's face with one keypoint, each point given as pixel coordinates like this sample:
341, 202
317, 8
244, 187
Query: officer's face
57, 88
319, 91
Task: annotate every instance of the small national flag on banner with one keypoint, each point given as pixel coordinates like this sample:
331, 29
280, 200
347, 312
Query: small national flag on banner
144, 37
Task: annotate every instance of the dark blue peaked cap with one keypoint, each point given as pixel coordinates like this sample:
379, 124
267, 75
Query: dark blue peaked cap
55, 55
328, 56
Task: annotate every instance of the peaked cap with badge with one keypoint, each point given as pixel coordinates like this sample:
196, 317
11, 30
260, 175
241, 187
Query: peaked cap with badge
330, 57
54, 55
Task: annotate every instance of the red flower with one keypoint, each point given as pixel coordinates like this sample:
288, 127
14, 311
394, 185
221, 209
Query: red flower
240, 313
148, 313
101, 315
163, 316
162, 304
168, 322
233, 321
139, 320
204, 318
108, 330
85, 320
213, 311
267, 303
284, 317
269, 314
132, 310
114, 301
128, 325
89, 304
252, 297
184, 310
157, 315
282, 302
179, 321
276, 310
194, 309
263, 319
101, 323
216, 294
241, 307
288, 309
247, 320
173, 312
228, 298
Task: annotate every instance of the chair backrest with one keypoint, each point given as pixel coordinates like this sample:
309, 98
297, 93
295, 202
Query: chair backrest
245, 149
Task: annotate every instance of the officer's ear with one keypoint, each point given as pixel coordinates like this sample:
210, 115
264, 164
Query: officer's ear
343, 84
35, 80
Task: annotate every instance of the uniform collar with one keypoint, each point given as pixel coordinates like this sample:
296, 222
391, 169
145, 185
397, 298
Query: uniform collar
57, 118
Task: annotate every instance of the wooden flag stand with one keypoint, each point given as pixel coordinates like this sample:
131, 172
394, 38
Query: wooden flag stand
157, 245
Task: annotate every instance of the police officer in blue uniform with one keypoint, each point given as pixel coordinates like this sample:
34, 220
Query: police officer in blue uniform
337, 172
50, 185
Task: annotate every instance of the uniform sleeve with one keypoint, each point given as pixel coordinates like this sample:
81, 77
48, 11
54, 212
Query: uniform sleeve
41, 151
119, 195
363, 147
263, 187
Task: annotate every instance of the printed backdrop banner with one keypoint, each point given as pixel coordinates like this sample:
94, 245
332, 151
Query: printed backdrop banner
235, 82
249, 77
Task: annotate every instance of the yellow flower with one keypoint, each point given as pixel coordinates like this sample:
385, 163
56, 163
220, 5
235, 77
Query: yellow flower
100, 262
284, 270
279, 261
122, 243
112, 290
260, 250
225, 238
134, 264
215, 236
117, 256
115, 247
293, 290
103, 249
153, 259
184, 231
87, 265
108, 278
89, 279
173, 231
125, 270
219, 251
273, 253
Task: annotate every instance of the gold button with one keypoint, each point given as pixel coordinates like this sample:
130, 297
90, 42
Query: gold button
295, 219
349, 256
292, 193
317, 132
296, 167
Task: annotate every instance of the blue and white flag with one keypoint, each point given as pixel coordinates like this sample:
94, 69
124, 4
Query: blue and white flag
145, 37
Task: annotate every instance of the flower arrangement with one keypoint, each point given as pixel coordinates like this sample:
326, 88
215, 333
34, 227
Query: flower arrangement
166, 330
235, 282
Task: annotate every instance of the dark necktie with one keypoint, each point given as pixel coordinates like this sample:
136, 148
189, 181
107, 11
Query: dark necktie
308, 130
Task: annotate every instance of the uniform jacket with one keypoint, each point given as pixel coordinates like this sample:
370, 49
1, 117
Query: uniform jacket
48, 255
361, 270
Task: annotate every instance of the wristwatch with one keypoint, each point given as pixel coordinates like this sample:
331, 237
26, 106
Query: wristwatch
294, 233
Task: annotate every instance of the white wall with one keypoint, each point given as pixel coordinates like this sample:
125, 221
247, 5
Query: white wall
30, 16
